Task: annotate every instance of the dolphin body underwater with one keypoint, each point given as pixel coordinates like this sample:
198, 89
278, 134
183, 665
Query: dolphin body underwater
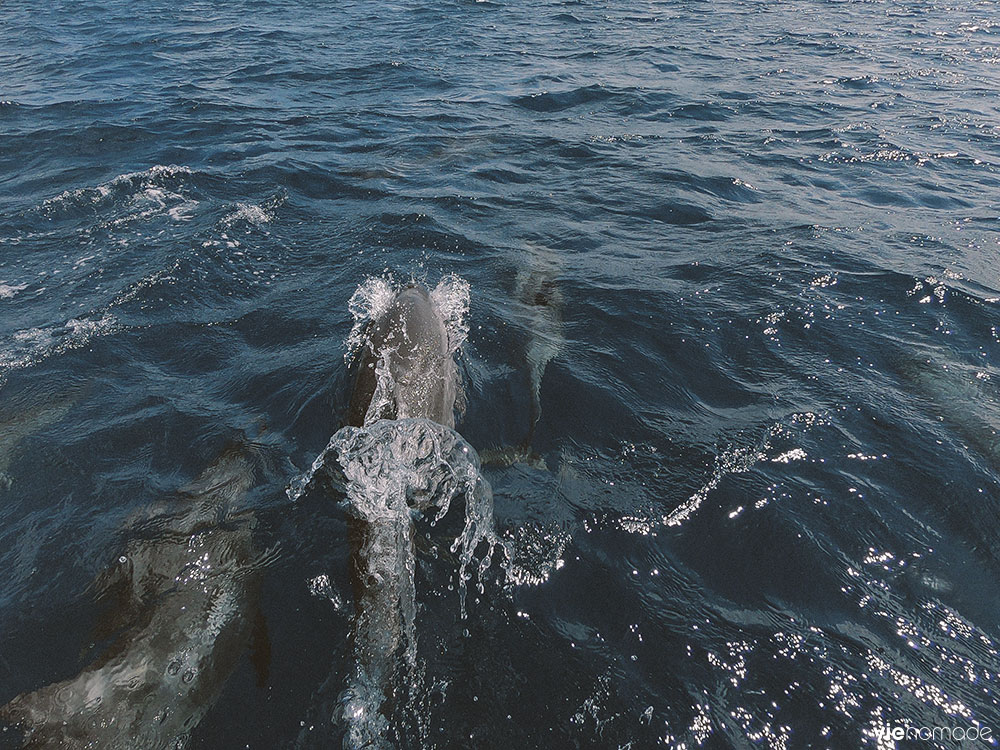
536, 307
181, 600
37, 412
541, 302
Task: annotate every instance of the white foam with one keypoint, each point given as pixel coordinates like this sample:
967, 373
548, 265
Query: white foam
370, 301
536, 553
183, 212
7, 291
32, 345
250, 214
146, 183
451, 299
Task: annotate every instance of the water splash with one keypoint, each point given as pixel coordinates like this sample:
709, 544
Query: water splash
389, 470
451, 299
370, 301
250, 214
374, 296
392, 465
535, 553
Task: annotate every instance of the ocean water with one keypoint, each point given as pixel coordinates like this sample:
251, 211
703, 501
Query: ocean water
732, 358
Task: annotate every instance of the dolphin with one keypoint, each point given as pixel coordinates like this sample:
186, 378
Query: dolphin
540, 304
29, 413
962, 397
180, 598
404, 396
397, 455
538, 308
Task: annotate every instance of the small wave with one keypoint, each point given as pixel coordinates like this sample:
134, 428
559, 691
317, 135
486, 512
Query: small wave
708, 112
134, 196
858, 82
736, 459
149, 179
32, 345
7, 291
887, 154
622, 138
249, 213
557, 101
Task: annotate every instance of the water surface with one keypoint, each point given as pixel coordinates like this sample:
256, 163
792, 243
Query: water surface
760, 503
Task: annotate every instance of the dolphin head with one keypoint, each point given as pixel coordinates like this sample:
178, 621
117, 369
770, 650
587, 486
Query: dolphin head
406, 368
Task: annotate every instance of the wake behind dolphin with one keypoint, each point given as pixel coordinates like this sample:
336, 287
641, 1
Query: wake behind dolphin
400, 454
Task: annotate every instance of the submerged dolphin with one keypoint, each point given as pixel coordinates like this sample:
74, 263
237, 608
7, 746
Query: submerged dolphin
960, 396
184, 597
540, 300
31, 413
538, 308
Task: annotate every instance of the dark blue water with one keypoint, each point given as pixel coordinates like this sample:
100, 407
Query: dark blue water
763, 506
